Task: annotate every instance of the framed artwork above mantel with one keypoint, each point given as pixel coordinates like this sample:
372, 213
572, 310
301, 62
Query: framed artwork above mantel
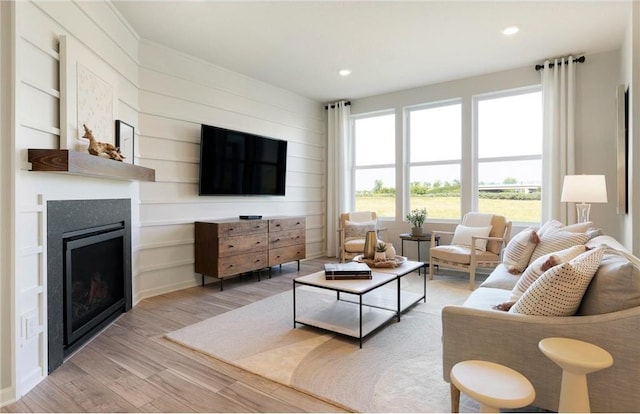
125, 140
88, 95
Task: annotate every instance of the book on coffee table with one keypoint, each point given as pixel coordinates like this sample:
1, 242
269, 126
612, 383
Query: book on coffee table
349, 270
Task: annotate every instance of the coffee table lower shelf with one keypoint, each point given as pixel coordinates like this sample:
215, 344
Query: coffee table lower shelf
343, 317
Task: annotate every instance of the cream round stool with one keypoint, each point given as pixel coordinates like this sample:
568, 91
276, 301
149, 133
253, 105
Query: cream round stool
493, 385
577, 359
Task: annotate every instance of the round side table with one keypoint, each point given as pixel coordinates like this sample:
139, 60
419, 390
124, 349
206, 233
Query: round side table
577, 359
493, 385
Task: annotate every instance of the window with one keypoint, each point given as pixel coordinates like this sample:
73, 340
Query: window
509, 160
375, 164
434, 141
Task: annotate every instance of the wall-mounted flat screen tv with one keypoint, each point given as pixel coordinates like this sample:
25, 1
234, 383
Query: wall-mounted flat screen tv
239, 163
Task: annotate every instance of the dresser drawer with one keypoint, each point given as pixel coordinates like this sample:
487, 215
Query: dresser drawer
240, 245
241, 227
234, 265
286, 223
286, 254
286, 238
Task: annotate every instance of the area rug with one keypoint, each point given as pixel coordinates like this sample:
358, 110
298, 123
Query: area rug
398, 369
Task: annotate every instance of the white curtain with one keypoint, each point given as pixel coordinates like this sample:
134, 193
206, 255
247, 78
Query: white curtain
558, 95
338, 181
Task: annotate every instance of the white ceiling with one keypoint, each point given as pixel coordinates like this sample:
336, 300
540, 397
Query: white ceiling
389, 45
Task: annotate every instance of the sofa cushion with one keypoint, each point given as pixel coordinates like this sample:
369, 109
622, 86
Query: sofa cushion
463, 234
559, 291
519, 250
501, 278
486, 298
460, 254
614, 287
541, 265
555, 240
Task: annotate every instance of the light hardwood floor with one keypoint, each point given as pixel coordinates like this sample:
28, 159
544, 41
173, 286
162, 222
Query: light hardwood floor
129, 367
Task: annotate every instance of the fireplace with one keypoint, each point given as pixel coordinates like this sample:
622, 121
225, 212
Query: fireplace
89, 270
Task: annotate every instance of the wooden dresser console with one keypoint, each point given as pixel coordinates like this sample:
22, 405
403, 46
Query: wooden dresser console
228, 248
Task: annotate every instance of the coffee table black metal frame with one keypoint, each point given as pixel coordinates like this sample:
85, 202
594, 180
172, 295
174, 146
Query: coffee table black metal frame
381, 307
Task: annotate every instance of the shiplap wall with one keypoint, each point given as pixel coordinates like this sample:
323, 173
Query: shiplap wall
165, 95
38, 26
177, 94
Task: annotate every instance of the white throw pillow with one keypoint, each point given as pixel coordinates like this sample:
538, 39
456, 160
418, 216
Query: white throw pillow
555, 240
463, 234
552, 224
519, 250
559, 291
541, 265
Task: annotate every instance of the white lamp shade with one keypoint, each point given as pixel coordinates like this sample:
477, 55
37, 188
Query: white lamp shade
584, 189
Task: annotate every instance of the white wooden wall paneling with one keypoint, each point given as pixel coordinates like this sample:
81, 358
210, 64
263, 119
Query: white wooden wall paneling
37, 104
203, 94
154, 56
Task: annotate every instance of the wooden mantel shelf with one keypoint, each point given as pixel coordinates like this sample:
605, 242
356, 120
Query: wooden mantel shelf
80, 163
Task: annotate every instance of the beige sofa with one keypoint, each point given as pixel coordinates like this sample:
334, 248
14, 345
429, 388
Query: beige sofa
609, 316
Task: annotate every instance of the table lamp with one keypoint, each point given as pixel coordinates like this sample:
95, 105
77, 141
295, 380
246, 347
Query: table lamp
583, 189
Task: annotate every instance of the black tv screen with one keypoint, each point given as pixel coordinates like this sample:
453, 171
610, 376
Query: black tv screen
239, 163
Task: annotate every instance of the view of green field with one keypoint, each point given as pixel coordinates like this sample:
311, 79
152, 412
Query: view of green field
449, 207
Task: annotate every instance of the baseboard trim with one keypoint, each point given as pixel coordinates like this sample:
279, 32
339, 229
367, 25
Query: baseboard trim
7, 396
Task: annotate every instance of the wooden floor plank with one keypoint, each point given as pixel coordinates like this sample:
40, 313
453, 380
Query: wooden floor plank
130, 387
129, 366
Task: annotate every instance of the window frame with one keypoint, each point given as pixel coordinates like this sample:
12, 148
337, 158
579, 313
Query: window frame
475, 141
406, 146
353, 168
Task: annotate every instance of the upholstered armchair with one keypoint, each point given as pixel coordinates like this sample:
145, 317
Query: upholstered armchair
476, 243
352, 230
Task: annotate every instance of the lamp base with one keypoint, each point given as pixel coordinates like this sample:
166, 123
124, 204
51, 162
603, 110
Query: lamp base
583, 210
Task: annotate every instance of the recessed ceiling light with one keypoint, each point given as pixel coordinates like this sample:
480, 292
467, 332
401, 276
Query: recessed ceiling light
344, 72
511, 30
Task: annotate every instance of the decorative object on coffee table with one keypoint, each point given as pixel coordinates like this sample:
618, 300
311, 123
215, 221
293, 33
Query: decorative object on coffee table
125, 140
416, 217
381, 252
370, 241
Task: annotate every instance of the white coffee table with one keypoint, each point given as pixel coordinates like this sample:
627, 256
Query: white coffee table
360, 307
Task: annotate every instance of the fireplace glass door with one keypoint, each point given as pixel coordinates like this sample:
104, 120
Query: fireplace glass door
94, 279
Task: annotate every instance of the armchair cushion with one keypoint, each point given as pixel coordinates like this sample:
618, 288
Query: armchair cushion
358, 230
460, 254
462, 236
559, 291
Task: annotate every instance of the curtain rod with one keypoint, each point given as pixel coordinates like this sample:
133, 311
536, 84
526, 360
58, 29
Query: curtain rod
326, 107
581, 59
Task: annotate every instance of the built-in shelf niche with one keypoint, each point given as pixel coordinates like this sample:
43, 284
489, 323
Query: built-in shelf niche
80, 163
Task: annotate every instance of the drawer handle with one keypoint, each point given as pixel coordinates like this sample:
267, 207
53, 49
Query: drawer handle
278, 256
276, 240
231, 246
297, 237
278, 225
230, 266
257, 242
297, 223
257, 227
